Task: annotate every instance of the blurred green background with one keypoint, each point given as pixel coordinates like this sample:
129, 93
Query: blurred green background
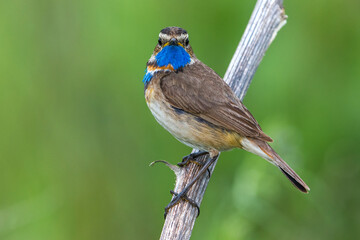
76, 136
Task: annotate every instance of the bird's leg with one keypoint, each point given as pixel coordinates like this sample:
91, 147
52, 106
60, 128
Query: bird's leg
182, 194
192, 158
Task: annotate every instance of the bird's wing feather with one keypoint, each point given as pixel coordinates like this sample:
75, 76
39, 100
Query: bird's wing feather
198, 90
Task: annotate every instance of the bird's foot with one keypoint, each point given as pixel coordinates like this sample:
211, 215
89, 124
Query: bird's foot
176, 200
182, 194
192, 158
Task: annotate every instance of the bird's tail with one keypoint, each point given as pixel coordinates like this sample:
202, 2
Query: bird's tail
263, 149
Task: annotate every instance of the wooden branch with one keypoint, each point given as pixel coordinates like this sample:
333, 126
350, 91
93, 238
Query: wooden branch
266, 20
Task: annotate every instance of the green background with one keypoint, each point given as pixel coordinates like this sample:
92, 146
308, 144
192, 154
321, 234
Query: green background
76, 137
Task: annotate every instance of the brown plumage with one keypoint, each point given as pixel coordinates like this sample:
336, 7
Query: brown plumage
198, 90
199, 109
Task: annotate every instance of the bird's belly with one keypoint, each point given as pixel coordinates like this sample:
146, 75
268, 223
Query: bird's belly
189, 129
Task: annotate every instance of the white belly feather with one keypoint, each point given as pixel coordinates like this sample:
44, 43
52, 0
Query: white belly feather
176, 124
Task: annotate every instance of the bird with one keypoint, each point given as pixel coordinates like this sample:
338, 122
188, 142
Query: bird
192, 102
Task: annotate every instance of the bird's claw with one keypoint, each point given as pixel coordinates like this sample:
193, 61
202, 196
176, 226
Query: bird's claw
192, 158
177, 199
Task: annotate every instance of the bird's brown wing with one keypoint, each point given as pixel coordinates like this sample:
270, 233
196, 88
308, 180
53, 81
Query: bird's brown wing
198, 90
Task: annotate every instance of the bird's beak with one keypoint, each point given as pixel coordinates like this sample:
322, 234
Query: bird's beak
173, 42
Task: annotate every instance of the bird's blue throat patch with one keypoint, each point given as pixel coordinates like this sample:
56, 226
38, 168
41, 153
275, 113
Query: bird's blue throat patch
176, 56
147, 77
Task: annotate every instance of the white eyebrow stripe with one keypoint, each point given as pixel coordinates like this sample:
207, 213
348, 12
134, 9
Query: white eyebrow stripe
183, 36
164, 36
167, 37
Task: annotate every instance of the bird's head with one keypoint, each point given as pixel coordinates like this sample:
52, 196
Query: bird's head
173, 50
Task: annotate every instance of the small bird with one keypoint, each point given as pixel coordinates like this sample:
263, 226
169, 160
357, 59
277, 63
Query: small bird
199, 109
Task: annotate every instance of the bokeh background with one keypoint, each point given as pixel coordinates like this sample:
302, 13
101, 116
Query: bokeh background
76, 137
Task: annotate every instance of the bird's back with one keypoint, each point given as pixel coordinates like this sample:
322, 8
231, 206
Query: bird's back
198, 90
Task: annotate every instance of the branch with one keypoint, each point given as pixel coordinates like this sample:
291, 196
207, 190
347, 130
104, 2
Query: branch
266, 20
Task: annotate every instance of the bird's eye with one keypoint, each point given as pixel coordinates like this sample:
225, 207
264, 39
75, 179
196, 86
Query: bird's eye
159, 41
186, 42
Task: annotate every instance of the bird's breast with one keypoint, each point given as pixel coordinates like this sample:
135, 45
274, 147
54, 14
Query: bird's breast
162, 110
149, 94
187, 128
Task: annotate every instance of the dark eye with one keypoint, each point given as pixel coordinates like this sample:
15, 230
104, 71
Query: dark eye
159, 41
186, 42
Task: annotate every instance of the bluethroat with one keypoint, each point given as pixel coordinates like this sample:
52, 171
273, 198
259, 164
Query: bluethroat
199, 109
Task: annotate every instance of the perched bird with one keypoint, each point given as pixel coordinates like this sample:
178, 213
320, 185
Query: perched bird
198, 108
